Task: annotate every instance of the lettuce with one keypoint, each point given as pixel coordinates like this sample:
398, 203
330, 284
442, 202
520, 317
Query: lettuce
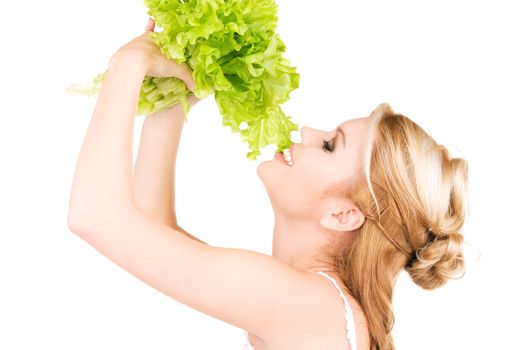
234, 53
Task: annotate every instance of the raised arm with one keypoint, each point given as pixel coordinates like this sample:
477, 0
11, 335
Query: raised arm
155, 165
250, 290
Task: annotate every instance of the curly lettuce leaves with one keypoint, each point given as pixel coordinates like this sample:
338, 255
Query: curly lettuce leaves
156, 94
235, 54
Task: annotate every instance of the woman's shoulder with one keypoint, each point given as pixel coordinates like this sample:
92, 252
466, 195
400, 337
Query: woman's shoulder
336, 311
328, 328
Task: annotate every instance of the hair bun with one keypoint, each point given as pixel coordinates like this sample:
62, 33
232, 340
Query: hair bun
438, 261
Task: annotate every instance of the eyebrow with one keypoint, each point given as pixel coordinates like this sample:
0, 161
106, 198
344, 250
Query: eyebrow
342, 133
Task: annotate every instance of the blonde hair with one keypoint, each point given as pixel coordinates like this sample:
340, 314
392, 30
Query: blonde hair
413, 195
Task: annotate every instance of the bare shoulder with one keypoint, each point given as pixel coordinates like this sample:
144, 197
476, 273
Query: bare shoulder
335, 311
327, 330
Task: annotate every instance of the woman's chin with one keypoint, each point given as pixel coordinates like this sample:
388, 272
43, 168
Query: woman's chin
267, 171
268, 167
261, 169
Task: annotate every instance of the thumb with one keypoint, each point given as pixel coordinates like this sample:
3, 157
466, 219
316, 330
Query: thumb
184, 73
150, 26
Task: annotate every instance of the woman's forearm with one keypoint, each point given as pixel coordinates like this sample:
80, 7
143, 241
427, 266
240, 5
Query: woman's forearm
154, 173
102, 183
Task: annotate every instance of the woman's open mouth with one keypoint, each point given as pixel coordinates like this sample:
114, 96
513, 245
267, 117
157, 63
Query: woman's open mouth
285, 157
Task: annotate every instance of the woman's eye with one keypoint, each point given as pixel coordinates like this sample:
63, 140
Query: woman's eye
328, 145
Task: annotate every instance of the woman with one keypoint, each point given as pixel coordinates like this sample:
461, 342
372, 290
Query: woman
357, 206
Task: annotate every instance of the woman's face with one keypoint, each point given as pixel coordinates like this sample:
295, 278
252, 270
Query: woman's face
294, 190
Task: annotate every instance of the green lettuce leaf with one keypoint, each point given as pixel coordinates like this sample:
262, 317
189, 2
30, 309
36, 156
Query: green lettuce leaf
235, 53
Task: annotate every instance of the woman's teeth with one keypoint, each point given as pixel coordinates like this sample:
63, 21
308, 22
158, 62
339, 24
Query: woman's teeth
287, 157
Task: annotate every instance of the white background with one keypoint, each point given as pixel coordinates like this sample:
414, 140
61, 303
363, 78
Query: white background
454, 67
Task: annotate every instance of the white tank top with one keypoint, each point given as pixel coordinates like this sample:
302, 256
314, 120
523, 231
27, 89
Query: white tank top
350, 324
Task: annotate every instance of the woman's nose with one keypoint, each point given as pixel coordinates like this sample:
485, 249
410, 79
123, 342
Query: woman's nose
303, 131
306, 133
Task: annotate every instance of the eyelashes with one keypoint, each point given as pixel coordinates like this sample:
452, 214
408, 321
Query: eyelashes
328, 145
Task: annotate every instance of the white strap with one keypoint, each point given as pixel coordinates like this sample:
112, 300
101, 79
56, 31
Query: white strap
350, 324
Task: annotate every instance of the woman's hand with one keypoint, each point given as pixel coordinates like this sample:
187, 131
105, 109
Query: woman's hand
153, 62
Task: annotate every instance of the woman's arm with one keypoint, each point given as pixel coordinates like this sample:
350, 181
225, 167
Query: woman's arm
155, 165
229, 284
102, 186
154, 173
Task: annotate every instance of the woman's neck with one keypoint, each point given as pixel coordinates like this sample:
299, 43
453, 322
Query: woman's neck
300, 244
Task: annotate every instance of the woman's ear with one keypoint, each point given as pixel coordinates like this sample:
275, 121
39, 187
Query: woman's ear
342, 215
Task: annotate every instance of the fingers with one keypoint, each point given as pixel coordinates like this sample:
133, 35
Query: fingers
151, 25
181, 71
184, 73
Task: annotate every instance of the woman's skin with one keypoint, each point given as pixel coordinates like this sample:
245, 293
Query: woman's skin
304, 224
103, 178
129, 217
155, 165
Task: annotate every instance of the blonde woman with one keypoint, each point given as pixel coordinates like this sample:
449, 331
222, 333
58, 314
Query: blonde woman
353, 207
